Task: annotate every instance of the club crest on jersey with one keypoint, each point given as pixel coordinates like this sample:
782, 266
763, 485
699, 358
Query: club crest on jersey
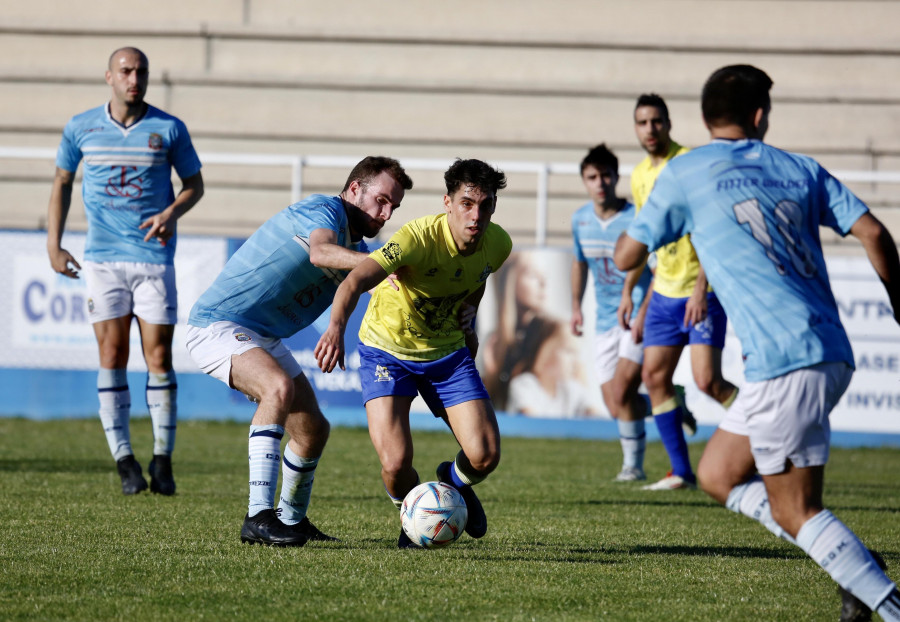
485, 273
242, 337
90, 304
431, 272
155, 142
391, 251
382, 374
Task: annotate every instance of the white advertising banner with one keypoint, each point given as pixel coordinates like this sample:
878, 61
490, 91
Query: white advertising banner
46, 315
537, 281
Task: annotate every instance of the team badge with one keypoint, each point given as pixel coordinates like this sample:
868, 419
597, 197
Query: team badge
90, 304
155, 142
391, 251
458, 273
431, 272
242, 337
382, 374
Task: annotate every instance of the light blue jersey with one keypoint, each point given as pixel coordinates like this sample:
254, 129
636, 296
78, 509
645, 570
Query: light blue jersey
595, 241
269, 285
754, 212
127, 179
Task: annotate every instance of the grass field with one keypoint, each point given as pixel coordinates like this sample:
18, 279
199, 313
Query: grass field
564, 543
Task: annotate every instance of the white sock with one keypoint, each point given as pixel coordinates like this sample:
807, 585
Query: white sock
161, 392
633, 438
751, 500
297, 475
115, 410
839, 552
265, 459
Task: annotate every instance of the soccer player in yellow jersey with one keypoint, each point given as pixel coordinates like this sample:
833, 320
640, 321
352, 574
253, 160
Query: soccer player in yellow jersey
418, 337
683, 310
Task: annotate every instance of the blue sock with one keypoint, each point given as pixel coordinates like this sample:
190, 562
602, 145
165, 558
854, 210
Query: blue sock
669, 424
161, 391
265, 460
115, 410
839, 552
297, 475
633, 437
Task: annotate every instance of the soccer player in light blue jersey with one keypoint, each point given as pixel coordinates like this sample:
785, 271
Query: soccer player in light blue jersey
618, 352
754, 212
129, 149
276, 284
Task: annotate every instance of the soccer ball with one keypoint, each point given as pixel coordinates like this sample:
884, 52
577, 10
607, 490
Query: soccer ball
433, 515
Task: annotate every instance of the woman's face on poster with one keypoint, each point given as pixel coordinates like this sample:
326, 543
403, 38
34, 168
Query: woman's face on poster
531, 286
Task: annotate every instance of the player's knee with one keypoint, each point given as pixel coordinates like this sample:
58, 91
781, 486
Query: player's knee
278, 391
396, 464
485, 461
705, 382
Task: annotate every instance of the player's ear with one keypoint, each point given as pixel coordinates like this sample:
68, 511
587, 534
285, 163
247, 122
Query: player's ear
448, 202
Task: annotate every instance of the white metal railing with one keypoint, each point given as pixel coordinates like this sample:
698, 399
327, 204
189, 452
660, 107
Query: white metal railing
542, 170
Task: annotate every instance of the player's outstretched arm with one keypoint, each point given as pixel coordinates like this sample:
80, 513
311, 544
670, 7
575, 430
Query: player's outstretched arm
158, 225
329, 351
629, 253
882, 252
58, 210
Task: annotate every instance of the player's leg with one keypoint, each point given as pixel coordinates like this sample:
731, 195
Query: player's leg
110, 313
707, 340
162, 390
238, 357
727, 473
388, 418
659, 368
308, 430
474, 424
629, 409
789, 436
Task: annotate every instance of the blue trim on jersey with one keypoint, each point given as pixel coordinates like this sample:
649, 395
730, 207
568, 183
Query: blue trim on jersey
754, 212
594, 243
126, 179
453, 379
270, 285
664, 323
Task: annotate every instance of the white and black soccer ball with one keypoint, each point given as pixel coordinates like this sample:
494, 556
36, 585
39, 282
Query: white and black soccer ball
433, 515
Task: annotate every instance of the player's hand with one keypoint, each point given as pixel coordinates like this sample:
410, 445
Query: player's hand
623, 313
577, 322
392, 279
63, 263
330, 349
467, 318
637, 326
695, 310
158, 228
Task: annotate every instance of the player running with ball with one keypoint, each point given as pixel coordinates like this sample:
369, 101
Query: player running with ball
419, 339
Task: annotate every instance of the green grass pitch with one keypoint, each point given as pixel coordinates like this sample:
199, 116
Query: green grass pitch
564, 541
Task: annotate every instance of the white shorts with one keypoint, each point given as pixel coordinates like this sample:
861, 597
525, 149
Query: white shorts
120, 288
609, 347
786, 418
213, 346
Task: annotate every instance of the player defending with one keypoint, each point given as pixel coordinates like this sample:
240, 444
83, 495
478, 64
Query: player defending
129, 149
682, 311
754, 214
619, 353
413, 339
278, 283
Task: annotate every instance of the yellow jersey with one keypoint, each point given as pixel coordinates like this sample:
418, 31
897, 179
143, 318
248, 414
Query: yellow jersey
677, 265
419, 322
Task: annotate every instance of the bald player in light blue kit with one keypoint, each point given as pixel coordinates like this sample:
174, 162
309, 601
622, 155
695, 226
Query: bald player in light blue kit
754, 212
129, 149
278, 283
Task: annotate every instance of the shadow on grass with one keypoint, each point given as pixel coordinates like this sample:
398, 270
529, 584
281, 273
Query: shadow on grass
43, 465
653, 503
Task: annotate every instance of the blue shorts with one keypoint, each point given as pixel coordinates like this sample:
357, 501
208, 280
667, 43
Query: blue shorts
443, 383
664, 324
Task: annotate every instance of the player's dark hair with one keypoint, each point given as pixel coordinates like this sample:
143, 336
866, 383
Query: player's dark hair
474, 173
733, 94
601, 157
652, 99
371, 167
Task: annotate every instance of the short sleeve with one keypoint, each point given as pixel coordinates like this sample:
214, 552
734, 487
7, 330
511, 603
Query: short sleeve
69, 154
184, 158
663, 219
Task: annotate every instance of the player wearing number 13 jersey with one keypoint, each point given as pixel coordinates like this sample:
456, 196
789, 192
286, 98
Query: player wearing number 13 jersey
754, 212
